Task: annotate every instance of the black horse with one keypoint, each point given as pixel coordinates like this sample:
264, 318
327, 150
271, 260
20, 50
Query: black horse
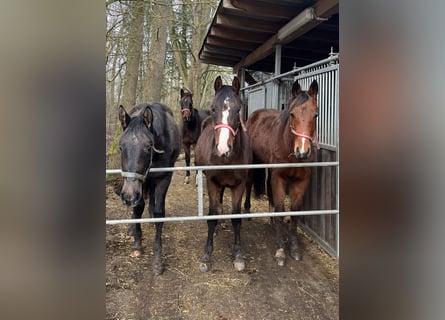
191, 126
223, 142
150, 139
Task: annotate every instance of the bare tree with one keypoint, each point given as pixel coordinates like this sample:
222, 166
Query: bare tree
135, 36
158, 43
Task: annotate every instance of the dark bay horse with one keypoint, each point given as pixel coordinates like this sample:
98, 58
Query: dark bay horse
150, 139
223, 142
283, 137
191, 126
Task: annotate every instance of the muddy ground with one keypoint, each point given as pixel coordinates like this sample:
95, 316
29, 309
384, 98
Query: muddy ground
307, 289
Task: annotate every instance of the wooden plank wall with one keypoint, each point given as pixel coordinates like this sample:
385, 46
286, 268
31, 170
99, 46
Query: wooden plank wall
321, 195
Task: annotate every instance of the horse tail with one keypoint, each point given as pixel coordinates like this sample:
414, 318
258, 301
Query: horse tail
259, 181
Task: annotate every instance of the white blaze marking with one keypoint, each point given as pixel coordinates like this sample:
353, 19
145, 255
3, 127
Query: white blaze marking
224, 132
303, 140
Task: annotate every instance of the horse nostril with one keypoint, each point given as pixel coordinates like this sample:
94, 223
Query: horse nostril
131, 199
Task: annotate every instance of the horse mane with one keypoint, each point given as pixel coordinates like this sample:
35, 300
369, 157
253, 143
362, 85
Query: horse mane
300, 99
206, 122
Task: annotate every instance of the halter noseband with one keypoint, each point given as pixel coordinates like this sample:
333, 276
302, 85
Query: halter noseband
219, 126
186, 112
139, 176
234, 132
303, 135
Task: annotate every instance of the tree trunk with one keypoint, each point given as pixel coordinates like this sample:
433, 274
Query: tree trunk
154, 76
135, 36
197, 69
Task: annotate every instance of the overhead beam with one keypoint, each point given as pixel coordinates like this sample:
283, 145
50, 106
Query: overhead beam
226, 51
233, 44
245, 23
229, 33
261, 9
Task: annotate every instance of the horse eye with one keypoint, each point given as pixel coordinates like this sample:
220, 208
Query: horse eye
292, 114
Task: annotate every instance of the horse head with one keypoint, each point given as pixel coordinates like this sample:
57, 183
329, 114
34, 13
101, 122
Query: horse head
225, 114
301, 115
186, 105
136, 146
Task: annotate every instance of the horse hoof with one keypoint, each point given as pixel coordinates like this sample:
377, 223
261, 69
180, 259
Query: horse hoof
186, 180
136, 253
239, 264
294, 254
280, 257
158, 270
157, 267
204, 267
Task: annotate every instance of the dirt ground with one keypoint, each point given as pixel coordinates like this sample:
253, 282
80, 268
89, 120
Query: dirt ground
307, 289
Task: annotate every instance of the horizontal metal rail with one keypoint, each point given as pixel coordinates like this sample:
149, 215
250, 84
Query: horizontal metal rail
200, 215
224, 216
238, 166
330, 59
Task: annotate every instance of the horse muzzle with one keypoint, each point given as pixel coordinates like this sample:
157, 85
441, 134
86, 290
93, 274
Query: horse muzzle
302, 155
223, 150
131, 193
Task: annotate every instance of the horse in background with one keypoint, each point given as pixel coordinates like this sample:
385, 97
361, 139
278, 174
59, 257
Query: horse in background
283, 137
224, 142
150, 139
191, 126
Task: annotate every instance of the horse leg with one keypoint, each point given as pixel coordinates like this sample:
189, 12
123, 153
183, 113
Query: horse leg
249, 183
214, 193
269, 192
135, 229
159, 212
237, 195
278, 190
187, 163
296, 193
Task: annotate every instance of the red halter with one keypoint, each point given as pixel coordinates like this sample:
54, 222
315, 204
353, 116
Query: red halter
186, 111
300, 134
219, 126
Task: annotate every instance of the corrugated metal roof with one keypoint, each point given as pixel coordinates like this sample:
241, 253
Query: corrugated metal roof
244, 33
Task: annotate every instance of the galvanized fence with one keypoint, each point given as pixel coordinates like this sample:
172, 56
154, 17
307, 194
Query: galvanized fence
200, 201
326, 72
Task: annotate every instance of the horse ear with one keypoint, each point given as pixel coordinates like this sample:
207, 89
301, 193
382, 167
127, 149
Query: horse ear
296, 89
218, 84
182, 92
236, 85
148, 116
124, 118
313, 89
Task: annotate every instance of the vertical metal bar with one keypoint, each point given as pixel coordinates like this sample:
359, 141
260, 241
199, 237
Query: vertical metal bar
200, 194
337, 133
277, 59
328, 108
325, 109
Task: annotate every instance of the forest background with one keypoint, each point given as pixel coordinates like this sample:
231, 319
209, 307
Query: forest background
152, 51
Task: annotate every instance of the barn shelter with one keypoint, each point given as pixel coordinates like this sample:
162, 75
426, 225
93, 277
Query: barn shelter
255, 34
270, 44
